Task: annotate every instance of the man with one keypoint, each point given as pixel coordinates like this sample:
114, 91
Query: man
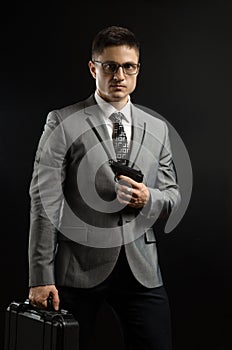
92, 236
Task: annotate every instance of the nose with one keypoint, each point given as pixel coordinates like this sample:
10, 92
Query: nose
119, 74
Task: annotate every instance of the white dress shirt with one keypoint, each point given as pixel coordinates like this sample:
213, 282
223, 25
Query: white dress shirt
108, 109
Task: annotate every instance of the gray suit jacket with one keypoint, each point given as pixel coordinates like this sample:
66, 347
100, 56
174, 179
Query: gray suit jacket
77, 225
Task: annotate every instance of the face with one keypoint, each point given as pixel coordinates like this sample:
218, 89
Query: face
115, 88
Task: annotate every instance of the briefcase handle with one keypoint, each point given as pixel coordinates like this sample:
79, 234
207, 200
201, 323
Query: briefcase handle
27, 304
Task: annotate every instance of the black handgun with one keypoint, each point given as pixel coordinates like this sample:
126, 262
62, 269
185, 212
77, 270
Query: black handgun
120, 169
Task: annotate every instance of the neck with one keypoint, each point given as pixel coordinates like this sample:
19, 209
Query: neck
116, 104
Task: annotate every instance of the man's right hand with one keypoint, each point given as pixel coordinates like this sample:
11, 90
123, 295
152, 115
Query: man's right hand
38, 296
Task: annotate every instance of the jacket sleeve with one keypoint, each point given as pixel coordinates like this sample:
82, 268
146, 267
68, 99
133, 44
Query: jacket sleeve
46, 201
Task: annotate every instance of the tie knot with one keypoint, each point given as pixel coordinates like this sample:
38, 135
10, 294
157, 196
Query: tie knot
116, 117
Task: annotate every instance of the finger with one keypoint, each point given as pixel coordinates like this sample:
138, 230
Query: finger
56, 301
125, 193
125, 189
132, 204
124, 196
123, 182
32, 299
123, 200
136, 193
129, 181
43, 304
120, 187
39, 304
129, 202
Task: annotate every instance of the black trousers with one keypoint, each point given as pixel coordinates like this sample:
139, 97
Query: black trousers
120, 313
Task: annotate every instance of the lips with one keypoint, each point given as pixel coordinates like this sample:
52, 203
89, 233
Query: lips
118, 86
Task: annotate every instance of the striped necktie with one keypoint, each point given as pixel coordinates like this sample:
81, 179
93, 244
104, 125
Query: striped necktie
119, 138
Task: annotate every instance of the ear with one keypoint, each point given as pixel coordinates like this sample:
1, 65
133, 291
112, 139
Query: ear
92, 69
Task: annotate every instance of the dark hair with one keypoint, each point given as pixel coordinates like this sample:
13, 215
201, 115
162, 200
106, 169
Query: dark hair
114, 36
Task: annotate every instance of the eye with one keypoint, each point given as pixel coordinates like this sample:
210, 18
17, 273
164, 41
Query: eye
110, 67
129, 66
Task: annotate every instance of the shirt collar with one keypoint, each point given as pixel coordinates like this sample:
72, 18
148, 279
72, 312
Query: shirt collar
108, 109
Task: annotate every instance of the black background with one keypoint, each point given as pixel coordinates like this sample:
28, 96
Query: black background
186, 77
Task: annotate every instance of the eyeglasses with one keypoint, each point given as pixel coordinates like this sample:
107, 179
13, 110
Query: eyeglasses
112, 67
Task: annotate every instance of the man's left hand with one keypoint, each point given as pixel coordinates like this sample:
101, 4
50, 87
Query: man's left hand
132, 193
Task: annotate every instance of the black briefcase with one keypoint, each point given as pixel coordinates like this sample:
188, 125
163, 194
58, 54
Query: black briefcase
28, 328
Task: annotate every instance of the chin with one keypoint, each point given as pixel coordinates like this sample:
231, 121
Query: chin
118, 95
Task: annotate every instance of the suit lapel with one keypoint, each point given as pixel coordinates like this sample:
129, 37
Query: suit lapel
94, 113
